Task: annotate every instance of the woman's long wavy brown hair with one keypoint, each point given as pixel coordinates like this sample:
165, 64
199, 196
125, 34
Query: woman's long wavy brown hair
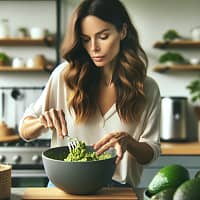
82, 77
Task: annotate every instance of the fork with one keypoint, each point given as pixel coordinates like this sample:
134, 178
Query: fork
71, 142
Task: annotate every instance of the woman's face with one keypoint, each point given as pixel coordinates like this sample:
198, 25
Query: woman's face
101, 40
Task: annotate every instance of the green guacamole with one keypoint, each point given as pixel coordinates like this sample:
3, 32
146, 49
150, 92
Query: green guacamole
81, 154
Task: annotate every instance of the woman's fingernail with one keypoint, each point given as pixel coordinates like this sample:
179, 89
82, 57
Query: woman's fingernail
64, 134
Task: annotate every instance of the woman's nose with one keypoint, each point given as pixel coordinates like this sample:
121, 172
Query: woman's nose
95, 45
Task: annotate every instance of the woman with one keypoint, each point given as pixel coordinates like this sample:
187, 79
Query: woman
102, 94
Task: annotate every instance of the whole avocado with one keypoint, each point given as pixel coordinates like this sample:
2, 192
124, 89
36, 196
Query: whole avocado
170, 176
189, 190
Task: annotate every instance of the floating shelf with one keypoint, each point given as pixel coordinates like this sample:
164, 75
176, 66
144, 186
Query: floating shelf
177, 44
49, 41
22, 69
177, 67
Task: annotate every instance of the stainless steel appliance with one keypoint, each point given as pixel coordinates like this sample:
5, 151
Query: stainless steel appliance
174, 119
25, 157
26, 161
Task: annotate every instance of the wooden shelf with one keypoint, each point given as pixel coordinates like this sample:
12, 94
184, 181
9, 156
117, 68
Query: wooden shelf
49, 41
177, 67
22, 69
177, 44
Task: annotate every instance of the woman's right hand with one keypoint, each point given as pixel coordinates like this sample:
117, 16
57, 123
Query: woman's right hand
55, 119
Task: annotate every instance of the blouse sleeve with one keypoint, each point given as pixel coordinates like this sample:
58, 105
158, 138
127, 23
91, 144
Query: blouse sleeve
151, 126
48, 97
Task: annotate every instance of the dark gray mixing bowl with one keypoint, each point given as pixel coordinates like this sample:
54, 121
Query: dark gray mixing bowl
77, 177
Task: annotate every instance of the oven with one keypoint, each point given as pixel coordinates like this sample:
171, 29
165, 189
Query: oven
29, 178
26, 161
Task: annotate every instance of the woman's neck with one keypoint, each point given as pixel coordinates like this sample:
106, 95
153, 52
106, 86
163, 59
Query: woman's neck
107, 75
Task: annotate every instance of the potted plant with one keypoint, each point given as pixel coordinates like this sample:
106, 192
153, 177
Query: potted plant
171, 35
22, 32
172, 57
194, 89
4, 59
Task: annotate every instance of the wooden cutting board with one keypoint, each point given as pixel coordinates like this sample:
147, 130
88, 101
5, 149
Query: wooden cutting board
114, 193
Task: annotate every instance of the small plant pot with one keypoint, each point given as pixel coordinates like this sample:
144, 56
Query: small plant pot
3, 63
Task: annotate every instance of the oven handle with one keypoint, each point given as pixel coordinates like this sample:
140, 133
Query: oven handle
28, 173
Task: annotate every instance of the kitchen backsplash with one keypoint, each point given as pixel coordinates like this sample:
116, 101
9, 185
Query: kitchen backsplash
14, 101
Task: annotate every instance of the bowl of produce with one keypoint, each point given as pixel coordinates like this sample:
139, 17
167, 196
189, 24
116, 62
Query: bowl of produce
79, 171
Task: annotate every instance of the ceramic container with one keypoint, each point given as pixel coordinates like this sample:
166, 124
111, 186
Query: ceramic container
37, 33
195, 33
78, 177
18, 62
4, 28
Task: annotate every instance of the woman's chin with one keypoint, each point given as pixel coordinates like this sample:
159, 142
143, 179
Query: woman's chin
98, 64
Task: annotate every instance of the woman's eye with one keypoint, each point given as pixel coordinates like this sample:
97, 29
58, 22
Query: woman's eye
85, 40
103, 36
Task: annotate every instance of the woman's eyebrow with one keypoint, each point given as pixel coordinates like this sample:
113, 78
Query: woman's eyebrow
104, 30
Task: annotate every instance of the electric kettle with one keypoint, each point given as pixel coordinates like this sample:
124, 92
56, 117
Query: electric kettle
173, 119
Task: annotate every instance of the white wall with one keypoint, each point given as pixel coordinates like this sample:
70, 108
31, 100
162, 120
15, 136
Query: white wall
151, 18
27, 14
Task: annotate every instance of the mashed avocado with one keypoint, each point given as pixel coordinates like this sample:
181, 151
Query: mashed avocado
81, 154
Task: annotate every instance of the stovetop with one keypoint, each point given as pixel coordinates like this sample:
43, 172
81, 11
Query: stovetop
23, 153
22, 143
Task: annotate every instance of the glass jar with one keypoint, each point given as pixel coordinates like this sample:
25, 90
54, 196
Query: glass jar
4, 28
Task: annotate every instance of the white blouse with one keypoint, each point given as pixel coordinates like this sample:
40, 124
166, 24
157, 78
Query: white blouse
146, 130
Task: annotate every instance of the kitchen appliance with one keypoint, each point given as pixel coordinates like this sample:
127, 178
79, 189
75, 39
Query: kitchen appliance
26, 161
174, 119
25, 157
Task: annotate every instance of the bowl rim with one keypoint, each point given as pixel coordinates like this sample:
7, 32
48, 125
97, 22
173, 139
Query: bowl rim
114, 155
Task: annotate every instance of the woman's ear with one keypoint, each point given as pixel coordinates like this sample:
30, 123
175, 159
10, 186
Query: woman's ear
123, 32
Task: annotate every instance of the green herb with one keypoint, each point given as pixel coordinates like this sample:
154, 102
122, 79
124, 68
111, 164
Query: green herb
81, 154
4, 58
171, 35
173, 57
194, 89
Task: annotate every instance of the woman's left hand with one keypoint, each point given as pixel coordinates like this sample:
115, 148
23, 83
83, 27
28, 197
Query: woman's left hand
118, 140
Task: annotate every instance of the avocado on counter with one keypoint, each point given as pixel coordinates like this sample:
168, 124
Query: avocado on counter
189, 190
170, 176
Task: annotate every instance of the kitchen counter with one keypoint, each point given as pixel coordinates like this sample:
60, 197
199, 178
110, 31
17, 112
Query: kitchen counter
17, 193
183, 148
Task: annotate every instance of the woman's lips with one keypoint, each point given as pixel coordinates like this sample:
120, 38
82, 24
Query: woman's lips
98, 58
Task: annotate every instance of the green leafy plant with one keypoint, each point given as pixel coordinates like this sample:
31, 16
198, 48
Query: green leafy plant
194, 89
173, 57
171, 35
4, 59
22, 32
